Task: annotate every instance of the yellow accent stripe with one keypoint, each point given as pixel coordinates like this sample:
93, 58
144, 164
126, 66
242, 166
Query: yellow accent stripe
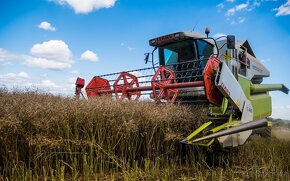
200, 144
225, 125
218, 128
198, 130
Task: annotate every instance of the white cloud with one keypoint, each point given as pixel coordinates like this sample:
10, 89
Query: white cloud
5, 63
6, 57
4, 54
75, 72
52, 50
250, 5
231, 12
45, 63
130, 49
46, 26
284, 9
257, 3
48, 84
240, 20
86, 6
68, 87
89, 55
9, 76
14, 79
53, 54
22, 81
220, 6
237, 8
241, 6
139, 74
281, 111
71, 81
23, 75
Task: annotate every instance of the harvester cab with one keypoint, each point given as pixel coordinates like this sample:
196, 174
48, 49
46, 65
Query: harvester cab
186, 54
222, 74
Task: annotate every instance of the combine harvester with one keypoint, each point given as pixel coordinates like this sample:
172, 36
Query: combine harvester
221, 74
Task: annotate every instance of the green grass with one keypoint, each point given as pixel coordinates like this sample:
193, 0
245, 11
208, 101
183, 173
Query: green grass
45, 137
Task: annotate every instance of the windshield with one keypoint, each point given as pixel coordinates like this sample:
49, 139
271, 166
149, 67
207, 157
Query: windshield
186, 58
177, 52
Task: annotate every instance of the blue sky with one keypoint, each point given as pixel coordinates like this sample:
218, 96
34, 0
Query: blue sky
48, 43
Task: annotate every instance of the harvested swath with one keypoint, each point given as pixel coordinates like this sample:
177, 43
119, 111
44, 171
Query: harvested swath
39, 130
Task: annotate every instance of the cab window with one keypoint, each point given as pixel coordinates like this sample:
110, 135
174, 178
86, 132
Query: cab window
170, 57
177, 52
205, 50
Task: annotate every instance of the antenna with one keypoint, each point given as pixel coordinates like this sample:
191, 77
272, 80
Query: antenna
195, 25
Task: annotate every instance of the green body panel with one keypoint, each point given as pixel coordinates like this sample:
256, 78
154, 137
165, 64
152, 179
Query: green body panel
259, 88
262, 105
245, 84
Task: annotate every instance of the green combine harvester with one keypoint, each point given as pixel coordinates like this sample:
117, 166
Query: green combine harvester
221, 74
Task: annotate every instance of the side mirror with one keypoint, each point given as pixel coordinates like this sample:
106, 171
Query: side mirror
146, 57
231, 42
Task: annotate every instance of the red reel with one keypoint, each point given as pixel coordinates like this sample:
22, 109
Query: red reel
123, 82
166, 77
213, 95
97, 86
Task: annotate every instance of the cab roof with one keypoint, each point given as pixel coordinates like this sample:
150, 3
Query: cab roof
178, 36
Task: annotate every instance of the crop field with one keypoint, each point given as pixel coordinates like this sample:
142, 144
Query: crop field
46, 137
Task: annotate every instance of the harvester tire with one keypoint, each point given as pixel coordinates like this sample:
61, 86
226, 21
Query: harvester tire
265, 132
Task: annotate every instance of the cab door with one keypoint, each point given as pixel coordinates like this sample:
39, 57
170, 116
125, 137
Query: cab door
204, 51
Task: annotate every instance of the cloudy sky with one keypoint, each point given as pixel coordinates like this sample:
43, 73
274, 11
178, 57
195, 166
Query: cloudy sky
46, 44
